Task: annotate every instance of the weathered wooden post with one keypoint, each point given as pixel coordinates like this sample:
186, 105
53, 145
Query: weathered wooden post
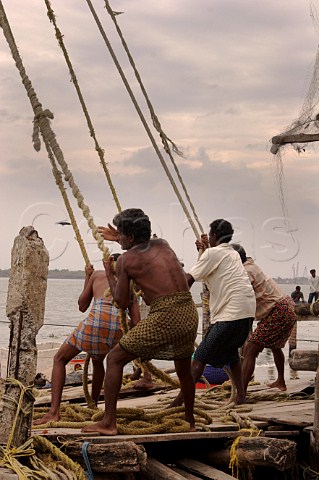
25, 310
314, 435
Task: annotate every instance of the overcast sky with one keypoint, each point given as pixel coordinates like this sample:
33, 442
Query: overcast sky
224, 77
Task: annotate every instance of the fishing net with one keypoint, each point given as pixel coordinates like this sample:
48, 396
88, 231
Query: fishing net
305, 129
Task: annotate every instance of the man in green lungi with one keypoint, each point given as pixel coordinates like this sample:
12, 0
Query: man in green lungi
170, 329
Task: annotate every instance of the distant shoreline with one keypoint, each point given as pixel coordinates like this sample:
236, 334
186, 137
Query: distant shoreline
79, 274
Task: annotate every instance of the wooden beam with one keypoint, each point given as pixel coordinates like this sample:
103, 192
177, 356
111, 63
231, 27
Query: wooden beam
304, 360
202, 469
258, 451
306, 309
295, 138
109, 457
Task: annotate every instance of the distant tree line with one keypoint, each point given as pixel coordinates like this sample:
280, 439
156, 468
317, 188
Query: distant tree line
68, 274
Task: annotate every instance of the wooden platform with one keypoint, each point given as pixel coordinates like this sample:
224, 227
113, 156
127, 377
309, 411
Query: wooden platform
292, 416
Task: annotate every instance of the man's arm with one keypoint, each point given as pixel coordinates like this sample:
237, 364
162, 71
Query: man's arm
87, 294
119, 282
109, 233
190, 280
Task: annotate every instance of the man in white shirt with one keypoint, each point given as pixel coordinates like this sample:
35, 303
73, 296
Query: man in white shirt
232, 305
314, 286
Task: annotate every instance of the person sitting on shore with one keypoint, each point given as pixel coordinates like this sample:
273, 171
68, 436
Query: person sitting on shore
169, 331
276, 317
96, 335
297, 295
232, 306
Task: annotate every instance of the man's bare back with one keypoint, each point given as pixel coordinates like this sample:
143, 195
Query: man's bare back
155, 269
99, 284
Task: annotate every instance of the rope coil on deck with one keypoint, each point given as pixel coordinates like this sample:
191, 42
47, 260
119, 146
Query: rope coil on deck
31, 467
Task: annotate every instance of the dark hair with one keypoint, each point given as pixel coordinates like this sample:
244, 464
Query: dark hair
240, 250
312, 270
133, 221
297, 287
222, 229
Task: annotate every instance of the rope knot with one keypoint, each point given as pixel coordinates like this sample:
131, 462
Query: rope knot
36, 127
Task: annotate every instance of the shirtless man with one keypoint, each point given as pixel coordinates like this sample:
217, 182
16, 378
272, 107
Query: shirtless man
96, 335
170, 329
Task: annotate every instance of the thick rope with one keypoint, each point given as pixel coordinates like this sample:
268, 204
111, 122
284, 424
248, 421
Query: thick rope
142, 118
59, 181
42, 124
74, 80
10, 455
156, 123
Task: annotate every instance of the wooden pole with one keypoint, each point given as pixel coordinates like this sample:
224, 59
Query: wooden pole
314, 435
25, 310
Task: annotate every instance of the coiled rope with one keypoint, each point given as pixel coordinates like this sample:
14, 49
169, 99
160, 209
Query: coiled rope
25, 460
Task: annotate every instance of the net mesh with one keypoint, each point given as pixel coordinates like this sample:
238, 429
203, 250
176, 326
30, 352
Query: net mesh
305, 129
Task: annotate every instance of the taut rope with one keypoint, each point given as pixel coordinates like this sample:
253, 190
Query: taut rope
156, 123
98, 148
142, 118
42, 124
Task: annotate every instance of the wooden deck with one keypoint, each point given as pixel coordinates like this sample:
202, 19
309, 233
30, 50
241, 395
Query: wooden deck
291, 415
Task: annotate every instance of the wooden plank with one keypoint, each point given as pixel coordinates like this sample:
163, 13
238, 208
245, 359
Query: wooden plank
185, 474
209, 472
76, 394
281, 433
71, 434
294, 420
154, 470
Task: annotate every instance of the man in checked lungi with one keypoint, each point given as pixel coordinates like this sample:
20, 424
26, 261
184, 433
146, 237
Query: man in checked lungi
97, 334
169, 331
275, 313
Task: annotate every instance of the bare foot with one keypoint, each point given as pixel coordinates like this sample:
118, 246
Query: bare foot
141, 384
48, 417
277, 384
136, 374
177, 402
240, 400
99, 427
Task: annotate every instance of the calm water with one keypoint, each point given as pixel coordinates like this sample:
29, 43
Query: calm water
62, 315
